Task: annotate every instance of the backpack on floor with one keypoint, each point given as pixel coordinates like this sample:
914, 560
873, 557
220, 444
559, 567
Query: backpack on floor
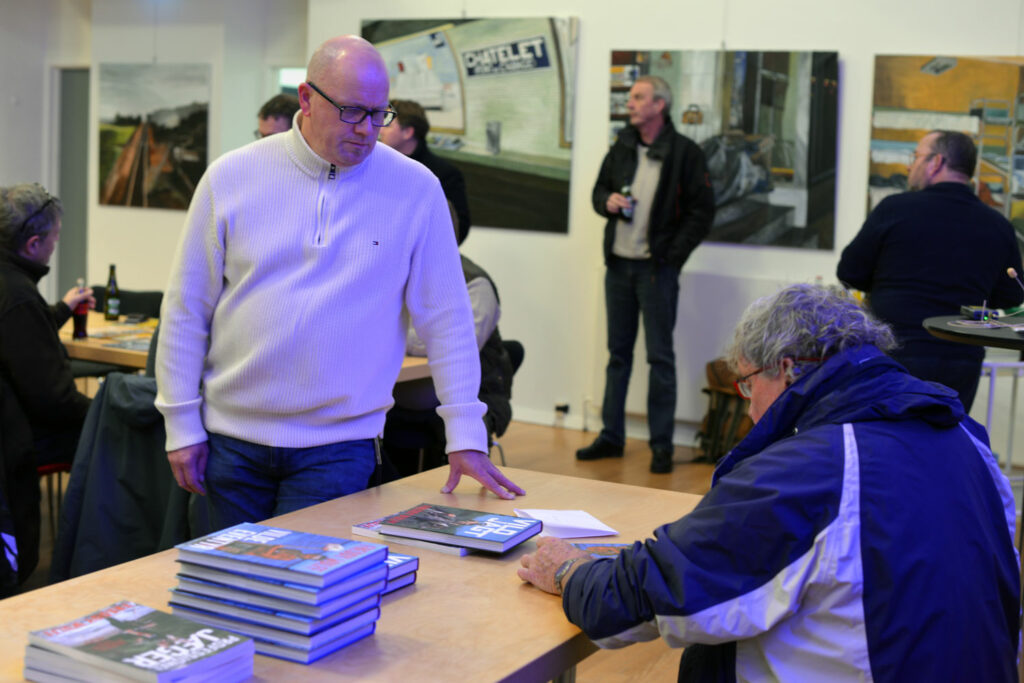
726, 422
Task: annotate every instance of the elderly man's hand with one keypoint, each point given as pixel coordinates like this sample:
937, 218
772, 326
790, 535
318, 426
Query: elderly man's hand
189, 466
76, 296
480, 467
539, 567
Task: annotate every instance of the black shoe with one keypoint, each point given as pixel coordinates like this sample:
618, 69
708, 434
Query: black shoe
599, 449
661, 460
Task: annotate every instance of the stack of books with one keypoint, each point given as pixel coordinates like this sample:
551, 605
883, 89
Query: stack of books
460, 527
299, 596
401, 571
127, 641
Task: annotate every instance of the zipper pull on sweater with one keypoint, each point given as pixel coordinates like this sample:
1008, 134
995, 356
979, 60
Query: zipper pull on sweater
331, 174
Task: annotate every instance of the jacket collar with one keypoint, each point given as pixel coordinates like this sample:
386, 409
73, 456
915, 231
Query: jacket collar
33, 270
311, 163
856, 385
659, 149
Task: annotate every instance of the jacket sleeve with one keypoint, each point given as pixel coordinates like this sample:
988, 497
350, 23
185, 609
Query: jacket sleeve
1008, 291
694, 206
38, 368
603, 187
860, 257
731, 569
454, 186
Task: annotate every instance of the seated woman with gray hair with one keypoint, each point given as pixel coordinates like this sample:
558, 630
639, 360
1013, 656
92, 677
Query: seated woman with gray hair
861, 530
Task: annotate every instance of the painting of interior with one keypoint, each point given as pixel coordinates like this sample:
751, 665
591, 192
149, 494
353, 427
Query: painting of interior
499, 97
980, 96
767, 123
153, 126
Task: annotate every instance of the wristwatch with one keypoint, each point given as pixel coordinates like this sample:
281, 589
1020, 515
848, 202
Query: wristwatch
563, 570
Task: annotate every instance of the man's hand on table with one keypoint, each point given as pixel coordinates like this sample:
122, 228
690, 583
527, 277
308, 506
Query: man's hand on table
188, 465
480, 467
539, 567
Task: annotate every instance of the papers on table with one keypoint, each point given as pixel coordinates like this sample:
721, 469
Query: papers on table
568, 523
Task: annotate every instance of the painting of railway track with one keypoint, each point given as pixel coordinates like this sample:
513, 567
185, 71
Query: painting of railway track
152, 133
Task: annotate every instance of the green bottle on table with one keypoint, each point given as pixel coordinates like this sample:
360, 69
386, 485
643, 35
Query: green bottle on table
112, 303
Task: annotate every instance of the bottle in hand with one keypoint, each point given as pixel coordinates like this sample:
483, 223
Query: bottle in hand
627, 212
112, 302
80, 314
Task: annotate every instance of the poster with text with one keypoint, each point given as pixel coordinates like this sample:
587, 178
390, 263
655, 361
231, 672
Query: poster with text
498, 94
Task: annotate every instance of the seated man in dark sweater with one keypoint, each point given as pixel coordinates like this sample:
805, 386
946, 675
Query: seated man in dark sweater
41, 410
929, 251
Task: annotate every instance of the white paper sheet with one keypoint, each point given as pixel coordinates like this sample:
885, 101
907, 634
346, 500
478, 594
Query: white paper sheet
568, 523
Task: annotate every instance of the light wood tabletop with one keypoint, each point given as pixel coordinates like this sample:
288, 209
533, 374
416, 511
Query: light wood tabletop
105, 335
466, 618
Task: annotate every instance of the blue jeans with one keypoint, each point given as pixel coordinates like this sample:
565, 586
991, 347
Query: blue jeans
248, 482
633, 288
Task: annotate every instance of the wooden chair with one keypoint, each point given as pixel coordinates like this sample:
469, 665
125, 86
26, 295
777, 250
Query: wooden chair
54, 494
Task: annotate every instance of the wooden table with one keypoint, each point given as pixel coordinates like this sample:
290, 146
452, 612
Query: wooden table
466, 618
97, 348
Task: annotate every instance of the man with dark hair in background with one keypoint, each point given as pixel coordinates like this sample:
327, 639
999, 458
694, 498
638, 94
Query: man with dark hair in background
41, 409
929, 251
276, 114
409, 137
653, 188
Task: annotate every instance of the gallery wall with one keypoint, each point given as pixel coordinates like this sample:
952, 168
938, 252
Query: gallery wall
551, 285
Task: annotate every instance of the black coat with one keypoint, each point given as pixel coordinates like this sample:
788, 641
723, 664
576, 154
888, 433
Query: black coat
684, 203
453, 184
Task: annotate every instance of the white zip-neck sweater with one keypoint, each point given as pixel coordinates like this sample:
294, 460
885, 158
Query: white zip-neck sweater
283, 322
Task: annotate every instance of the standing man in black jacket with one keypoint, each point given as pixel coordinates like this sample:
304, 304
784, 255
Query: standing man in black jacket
654, 189
41, 410
408, 134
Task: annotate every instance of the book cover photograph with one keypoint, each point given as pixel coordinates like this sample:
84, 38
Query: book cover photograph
295, 556
371, 529
131, 639
459, 526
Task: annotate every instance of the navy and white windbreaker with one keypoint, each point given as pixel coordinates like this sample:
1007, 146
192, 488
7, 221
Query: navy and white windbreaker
861, 531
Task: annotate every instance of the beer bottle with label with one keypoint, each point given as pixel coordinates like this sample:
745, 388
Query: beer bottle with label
627, 212
80, 314
112, 303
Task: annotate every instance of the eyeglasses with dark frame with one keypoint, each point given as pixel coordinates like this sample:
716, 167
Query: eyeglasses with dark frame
742, 385
379, 118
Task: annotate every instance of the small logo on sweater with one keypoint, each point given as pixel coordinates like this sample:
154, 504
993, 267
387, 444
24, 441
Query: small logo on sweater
376, 243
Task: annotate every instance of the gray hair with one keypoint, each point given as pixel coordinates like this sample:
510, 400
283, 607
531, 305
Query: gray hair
661, 91
26, 210
804, 322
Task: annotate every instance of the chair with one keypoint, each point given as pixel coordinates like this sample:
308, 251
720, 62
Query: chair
54, 495
516, 353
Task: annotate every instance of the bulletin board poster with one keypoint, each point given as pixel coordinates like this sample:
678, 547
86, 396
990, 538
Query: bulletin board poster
153, 126
499, 97
767, 122
982, 97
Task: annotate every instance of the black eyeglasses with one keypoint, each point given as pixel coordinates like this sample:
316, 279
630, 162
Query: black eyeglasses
351, 114
742, 385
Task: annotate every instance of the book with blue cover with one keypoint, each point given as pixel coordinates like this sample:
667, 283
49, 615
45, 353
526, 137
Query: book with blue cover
282, 554
265, 635
401, 571
133, 641
309, 595
599, 550
266, 616
461, 527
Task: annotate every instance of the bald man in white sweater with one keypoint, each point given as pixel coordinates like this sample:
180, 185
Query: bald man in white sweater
283, 324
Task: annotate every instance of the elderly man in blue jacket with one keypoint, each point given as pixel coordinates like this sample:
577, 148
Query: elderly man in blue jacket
861, 531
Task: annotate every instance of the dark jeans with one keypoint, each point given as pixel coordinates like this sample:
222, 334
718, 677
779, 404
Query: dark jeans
247, 482
959, 372
633, 288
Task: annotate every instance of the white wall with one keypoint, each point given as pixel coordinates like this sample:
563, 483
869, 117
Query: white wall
242, 40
